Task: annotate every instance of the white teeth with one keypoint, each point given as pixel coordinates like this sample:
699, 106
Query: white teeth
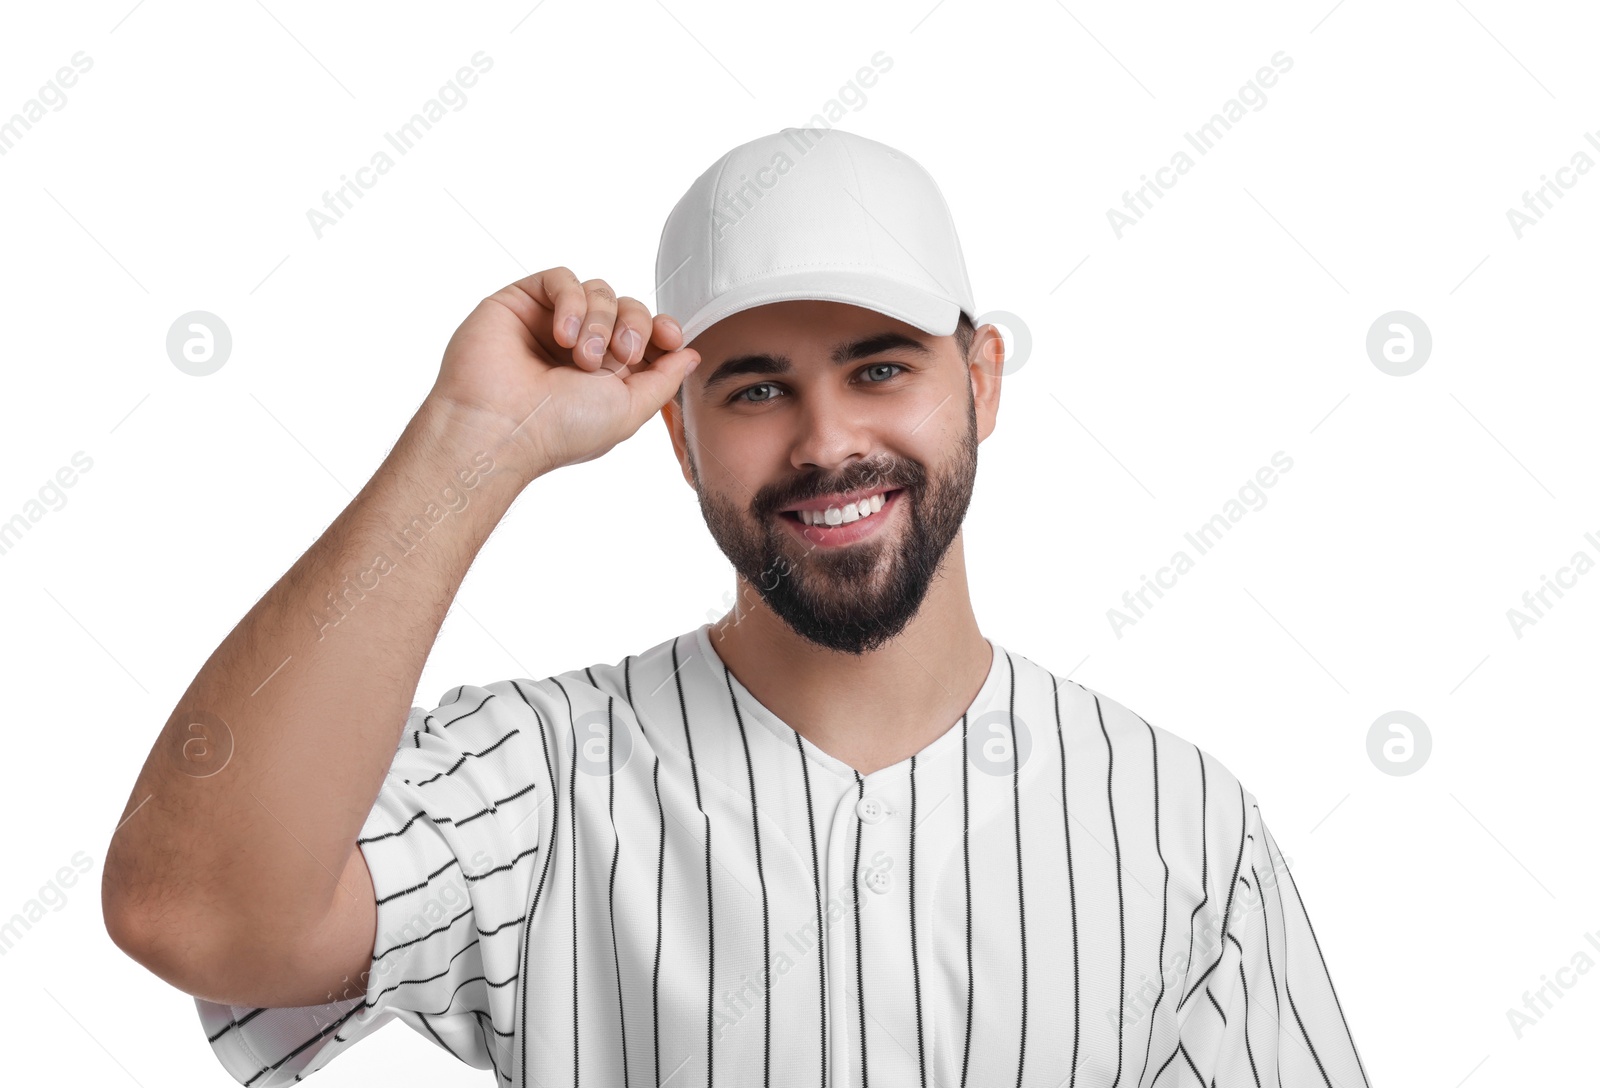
837, 515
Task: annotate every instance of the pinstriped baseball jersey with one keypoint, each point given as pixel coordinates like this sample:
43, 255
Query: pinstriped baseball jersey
636, 874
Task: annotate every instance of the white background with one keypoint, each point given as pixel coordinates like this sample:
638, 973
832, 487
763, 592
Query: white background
1167, 367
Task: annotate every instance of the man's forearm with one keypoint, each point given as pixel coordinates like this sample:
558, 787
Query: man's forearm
252, 797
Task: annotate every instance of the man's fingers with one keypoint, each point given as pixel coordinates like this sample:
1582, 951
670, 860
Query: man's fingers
550, 304
589, 321
631, 332
665, 335
599, 317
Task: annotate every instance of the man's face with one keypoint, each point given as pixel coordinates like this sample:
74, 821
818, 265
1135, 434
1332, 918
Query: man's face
798, 402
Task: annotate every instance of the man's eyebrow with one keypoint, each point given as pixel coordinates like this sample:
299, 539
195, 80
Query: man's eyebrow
764, 363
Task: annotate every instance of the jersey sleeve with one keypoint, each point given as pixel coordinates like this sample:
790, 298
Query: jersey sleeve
1270, 1017
453, 842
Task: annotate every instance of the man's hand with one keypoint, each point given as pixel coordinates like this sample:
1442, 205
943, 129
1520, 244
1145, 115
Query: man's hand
561, 371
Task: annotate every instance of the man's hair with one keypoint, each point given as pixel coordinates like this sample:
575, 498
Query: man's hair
964, 333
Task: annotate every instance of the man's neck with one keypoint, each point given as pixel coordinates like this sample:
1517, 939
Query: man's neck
872, 710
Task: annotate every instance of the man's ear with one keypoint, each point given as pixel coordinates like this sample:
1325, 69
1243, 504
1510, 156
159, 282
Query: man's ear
672, 416
988, 360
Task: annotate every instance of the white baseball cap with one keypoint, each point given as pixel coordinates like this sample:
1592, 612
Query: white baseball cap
813, 213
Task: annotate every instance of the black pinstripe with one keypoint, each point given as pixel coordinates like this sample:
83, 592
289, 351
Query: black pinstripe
711, 941
1122, 917
761, 877
661, 863
966, 867
555, 825
822, 932
855, 899
611, 888
1205, 883
572, 803
1072, 886
911, 900
1022, 899
1166, 874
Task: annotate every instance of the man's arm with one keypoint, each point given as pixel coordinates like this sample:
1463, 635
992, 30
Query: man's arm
236, 875
238, 878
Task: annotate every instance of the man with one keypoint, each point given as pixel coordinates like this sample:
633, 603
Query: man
837, 837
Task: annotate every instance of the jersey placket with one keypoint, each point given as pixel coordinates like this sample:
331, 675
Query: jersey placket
870, 955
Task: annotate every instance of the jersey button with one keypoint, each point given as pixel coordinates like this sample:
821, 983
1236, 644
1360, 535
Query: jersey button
871, 810
878, 880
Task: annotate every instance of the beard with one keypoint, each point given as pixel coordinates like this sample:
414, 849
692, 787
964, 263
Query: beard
855, 598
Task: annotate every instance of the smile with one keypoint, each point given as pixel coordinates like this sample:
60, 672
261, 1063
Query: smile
841, 515
846, 524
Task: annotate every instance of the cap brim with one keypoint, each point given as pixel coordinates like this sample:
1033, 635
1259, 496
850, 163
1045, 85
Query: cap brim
934, 314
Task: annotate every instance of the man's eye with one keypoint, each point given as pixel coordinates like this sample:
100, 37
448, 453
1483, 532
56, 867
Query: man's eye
740, 395
896, 367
